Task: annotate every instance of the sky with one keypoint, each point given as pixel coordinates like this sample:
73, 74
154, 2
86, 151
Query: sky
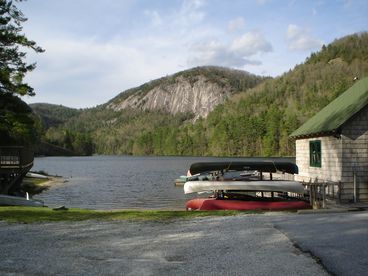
95, 49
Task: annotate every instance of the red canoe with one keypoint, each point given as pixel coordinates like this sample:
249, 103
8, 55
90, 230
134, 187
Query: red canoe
228, 204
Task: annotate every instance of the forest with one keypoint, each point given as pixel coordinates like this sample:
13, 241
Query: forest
253, 122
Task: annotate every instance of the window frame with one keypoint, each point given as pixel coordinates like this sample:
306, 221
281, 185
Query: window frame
315, 153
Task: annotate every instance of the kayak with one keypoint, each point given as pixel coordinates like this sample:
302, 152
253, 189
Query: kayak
241, 186
262, 166
208, 204
7, 200
251, 185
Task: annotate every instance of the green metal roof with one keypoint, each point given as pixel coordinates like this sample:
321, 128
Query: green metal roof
335, 114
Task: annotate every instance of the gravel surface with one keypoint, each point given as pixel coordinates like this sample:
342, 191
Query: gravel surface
241, 245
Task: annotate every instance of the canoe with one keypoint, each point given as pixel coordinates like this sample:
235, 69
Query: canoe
36, 175
7, 200
251, 185
263, 166
208, 204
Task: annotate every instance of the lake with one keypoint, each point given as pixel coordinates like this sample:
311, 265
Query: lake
120, 182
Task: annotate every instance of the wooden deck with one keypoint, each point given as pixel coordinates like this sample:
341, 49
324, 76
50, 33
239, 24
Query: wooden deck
15, 162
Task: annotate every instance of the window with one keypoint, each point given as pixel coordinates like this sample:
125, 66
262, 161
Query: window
315, 155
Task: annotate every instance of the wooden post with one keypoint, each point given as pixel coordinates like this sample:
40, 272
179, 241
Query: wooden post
324, 195
316, 196
355, 195
310, 193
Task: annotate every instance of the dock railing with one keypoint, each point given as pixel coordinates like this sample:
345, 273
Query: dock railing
15, 157
318, 192
15, 162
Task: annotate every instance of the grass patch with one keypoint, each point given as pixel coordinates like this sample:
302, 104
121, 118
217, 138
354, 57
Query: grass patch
34, 185
42, 214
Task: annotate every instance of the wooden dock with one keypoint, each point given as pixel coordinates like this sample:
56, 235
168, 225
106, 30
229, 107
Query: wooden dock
15, 162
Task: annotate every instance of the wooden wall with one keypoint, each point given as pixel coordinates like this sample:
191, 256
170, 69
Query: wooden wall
342, 157
331, 164
355, 154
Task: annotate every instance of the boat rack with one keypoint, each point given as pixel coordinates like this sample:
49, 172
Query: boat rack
319, 192
15, 162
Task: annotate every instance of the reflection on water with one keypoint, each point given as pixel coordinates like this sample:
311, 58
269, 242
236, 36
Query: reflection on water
118, 182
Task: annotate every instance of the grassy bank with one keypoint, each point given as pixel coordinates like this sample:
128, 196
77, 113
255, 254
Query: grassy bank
35, 186
33, 214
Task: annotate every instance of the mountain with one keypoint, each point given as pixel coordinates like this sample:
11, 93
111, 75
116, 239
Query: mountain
197, 91
248, 115
168, 102
259, 122
52, 115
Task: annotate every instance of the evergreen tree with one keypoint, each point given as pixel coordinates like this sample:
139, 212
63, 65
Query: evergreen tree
17, 125
13, 67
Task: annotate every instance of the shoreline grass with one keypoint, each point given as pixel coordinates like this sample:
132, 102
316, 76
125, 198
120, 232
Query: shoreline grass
35, 185
42, 214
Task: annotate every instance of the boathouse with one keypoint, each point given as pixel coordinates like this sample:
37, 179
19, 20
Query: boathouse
332, 146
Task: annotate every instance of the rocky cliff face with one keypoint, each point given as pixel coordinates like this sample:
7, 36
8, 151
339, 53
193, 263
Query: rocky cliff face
199, 97
197, 91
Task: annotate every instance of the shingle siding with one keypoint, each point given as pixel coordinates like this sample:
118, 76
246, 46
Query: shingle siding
330, 169
341, 157
354, 135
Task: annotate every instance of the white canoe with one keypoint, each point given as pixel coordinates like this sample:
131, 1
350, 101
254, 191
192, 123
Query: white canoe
256, 185
6, 200
36, 175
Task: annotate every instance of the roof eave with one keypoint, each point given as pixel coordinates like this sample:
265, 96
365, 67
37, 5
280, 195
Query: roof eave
335, 133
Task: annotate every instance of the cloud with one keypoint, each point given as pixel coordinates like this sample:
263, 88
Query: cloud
86, 72
179, 25
299, 39
154, 16
213, 53
250, 44
239, 52
190, 13
236, 24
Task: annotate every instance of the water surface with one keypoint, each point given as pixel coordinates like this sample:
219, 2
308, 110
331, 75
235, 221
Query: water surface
118, 182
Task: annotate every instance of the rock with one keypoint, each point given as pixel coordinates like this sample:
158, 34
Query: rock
60, 208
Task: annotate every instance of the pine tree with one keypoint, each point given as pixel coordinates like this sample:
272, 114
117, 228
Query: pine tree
13, 67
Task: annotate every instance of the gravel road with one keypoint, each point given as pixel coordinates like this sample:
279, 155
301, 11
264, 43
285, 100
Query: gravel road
241, 245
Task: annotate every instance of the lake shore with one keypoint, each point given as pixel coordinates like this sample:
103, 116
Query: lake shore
35, 186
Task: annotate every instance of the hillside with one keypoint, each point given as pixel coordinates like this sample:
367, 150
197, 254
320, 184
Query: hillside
52, 115
259, 122
168, 102
253, 118
197, 91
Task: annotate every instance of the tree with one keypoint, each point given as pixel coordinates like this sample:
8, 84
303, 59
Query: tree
13, 67
17, 125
